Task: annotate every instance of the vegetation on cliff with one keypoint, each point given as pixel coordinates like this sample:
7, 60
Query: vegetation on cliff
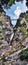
13, 39
24, 54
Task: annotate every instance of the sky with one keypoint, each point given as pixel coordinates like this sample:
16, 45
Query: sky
15, 11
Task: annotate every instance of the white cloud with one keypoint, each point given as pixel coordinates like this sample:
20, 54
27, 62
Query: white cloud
17, 12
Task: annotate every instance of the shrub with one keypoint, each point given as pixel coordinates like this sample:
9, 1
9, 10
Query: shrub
24, 54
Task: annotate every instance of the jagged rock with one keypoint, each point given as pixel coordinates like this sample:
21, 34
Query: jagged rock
6, 26
25, 42
11, 39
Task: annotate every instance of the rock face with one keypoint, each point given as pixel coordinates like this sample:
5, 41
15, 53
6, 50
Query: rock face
25, 42
6, 27
12, 40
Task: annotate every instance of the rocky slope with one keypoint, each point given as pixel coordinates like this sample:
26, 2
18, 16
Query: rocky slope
13, 40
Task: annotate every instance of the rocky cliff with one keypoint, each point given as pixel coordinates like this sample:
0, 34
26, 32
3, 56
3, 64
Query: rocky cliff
13, 40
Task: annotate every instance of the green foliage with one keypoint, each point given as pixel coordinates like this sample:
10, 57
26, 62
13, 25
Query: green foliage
0, 43
24, 25
0, 22
0, 30
23, 30
3, 58
18, 23
24, 54
26, 17
11, 1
